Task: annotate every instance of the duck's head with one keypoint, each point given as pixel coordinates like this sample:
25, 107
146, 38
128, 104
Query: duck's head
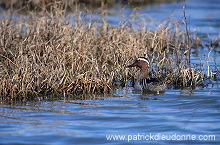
141, 62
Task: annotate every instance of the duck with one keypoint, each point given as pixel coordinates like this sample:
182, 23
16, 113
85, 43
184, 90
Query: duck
144, 82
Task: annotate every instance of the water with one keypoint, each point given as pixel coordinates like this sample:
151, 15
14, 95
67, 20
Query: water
133, 115
126, 113
202, 15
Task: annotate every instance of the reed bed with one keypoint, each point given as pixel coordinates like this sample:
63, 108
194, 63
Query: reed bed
51, 55
46, 4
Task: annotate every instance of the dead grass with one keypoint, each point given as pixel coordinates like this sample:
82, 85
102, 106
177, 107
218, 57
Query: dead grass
43, 55
45, 4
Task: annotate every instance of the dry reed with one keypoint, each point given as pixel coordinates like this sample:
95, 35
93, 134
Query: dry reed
46, 4
42, 55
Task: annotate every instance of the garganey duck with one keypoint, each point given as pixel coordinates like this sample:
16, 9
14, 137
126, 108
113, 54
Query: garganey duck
144, 82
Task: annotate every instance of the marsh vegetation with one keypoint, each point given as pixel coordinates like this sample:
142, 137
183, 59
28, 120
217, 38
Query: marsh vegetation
46, 4
46, 54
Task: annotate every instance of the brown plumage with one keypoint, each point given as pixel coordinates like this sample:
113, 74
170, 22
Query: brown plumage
144, 82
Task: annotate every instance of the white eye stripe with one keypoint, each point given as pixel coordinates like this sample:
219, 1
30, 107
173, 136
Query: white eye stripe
143, 59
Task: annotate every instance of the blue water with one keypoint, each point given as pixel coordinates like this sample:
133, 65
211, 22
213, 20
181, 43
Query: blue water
202, 15
126, 112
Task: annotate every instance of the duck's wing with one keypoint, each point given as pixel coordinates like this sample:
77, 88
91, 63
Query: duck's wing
144, 83
152, 84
